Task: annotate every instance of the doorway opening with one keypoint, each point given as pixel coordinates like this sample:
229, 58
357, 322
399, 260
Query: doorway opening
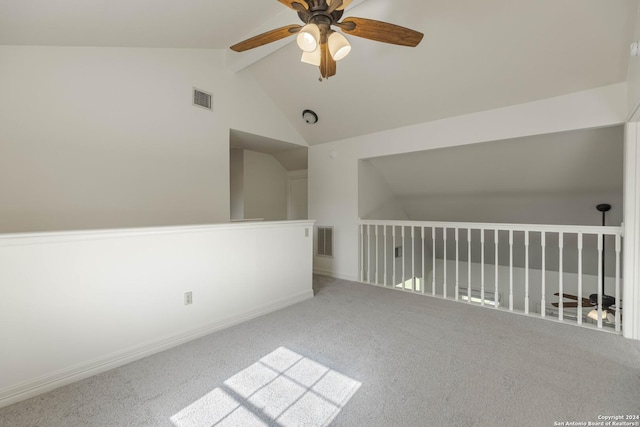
268, 178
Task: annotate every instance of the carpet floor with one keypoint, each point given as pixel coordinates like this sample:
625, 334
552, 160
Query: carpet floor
360, 355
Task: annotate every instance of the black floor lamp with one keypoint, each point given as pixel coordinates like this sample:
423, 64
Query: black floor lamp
607, 300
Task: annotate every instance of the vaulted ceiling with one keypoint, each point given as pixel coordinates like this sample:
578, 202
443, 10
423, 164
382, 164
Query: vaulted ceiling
476, 55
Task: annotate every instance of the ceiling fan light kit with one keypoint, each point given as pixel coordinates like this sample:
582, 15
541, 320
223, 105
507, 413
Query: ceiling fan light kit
309, 38
312, 58
607, 316
339, 46
321, 45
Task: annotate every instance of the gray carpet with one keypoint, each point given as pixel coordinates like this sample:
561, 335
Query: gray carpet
358, 355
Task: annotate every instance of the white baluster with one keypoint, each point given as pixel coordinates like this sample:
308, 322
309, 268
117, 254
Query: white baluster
457, 263
362, 252
424, 260
526, 272
433, 269
413, 259
543, 302
469, 265
600, 275
444, 262
393, 255
579, 278
617, 316
377, 277
560, 268
482, 266
384, 235
495, 284
403, 259
511, 270
369, 253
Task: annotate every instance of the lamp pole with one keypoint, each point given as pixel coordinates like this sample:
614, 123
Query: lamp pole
606, 300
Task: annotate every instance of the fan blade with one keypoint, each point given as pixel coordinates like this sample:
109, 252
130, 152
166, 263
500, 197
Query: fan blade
333, 5
566, 304
586, 302
380, 31
345, 3
292, 4
327, 63
264, 38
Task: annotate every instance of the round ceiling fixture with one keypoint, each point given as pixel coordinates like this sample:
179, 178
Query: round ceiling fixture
309, 116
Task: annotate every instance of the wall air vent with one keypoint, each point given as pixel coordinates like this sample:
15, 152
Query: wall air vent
325, 241
202, 99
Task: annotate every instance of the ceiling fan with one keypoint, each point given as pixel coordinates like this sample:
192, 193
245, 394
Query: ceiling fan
608, 305
321, 45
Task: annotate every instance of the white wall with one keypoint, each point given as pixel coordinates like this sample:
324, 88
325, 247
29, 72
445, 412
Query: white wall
633, 73
631, 228
265, 187
376, 200
333, 177
517, 208
297, 194
236, 166
78, 303
556, 178
107, 137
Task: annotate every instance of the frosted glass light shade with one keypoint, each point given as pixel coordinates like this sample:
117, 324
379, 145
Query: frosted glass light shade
338, 46
308, 37
312, 58
593, 314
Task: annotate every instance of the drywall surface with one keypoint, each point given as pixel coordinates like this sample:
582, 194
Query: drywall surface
517, 208
375, 199
333, 167
236, 172
631, 243
84, 302
293, 160
297, 195
108, 137
556, 178
633, 74
265, 187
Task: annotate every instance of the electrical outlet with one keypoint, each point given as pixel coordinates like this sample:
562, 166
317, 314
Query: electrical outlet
188, 298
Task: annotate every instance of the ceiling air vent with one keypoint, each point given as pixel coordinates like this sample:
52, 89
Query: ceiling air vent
325, 241
202, 99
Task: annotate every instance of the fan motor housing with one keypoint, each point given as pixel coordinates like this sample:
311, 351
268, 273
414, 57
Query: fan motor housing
317, 13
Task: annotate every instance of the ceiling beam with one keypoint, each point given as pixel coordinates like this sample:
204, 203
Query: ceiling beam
238, 61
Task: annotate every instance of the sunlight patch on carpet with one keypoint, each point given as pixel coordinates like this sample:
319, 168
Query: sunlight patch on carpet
414, 283
283, 387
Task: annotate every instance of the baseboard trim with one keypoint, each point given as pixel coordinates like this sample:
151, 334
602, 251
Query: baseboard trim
335, 275
87, 369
